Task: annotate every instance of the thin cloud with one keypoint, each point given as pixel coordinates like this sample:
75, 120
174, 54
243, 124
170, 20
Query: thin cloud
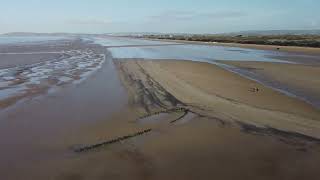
174, 15
89, 22
223, 15
189, 15
314, 24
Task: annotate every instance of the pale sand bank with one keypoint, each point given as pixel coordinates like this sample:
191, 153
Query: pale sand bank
230, 96
301, 79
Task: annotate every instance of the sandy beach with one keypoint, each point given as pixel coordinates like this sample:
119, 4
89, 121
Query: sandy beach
204, 122
159, 90
160, 119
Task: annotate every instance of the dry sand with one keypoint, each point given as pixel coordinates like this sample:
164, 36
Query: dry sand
230, 95
300, 78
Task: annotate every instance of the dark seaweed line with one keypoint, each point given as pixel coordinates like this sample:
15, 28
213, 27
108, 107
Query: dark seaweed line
178, 109
252, 129
185, 113
94, 146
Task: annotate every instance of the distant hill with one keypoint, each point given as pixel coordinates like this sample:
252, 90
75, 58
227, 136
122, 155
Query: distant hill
44, 34
245, 33
31, 34
277, 32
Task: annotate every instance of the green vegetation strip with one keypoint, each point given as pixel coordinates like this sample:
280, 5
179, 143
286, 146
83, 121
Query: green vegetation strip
279, 40
94, 146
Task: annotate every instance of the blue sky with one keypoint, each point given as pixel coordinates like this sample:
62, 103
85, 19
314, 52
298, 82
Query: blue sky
190, 16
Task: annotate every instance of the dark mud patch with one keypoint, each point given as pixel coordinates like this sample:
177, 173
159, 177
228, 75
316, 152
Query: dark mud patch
299, 140
179, 118
188, 116
185, 116
166, 111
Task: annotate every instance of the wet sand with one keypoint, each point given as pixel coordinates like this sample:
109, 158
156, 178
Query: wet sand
12, 55
34, 130
12, 60
32, 69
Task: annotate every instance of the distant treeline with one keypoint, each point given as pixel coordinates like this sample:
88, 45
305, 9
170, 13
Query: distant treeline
280, 40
